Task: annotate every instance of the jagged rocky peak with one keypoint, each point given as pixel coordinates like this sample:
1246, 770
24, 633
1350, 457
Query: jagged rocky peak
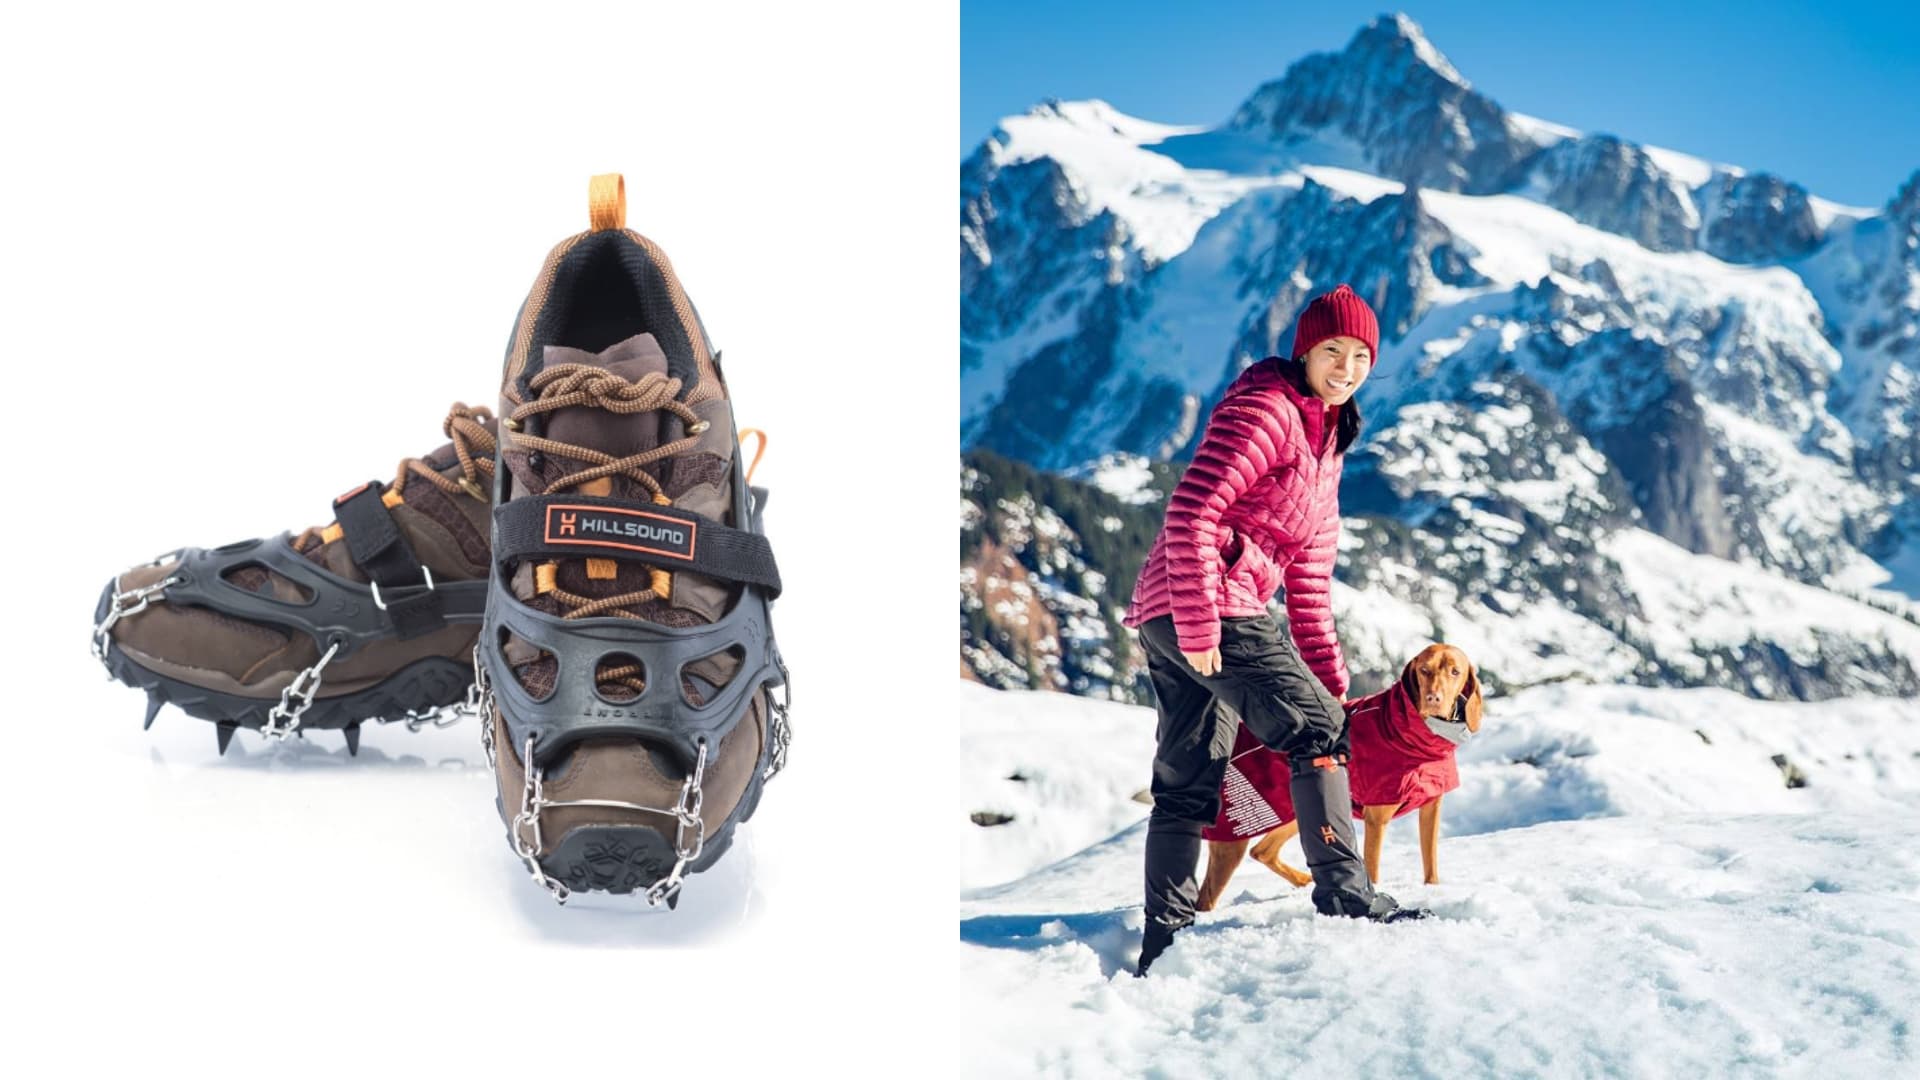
1390, 250
1093, 114
1396, 99
1026, 230
1757, 217
1612, 184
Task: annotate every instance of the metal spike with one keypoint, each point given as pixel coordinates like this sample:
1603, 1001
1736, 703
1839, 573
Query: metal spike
224, 732
154, 701
352, 732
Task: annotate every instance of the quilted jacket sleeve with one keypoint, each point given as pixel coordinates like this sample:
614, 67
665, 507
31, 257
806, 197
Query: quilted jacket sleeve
1244, 441
1309, 583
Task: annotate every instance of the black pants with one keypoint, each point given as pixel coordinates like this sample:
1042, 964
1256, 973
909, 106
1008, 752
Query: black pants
1263, 683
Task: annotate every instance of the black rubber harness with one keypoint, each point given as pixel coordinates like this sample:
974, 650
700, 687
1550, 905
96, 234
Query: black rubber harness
402, 586
402, 601
658, 536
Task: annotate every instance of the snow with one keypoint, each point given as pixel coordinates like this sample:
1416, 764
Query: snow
1516, 240
1543, 132
995, 360
1107, 153
1353, 183
1426, 52
1618, 896
1124, 476
1808, 495
1826, 213
1080, 763
1690, 171
1685, 171
1689, 601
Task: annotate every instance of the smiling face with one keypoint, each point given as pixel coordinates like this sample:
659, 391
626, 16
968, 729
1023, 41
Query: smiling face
1336, 367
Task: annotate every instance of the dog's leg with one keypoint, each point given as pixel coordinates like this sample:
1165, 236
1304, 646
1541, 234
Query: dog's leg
1430, 840
1375, 818
1267, 851
1223, 857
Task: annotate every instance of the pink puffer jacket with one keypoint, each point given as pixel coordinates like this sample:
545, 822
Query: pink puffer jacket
1259, 507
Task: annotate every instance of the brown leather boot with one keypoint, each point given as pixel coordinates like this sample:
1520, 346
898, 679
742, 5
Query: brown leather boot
628, 661
371, 617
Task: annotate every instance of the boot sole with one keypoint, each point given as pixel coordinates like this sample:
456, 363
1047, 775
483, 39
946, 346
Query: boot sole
423, 684
624, 859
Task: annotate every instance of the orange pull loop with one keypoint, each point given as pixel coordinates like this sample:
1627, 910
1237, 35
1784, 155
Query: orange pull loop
607, 201
761, 436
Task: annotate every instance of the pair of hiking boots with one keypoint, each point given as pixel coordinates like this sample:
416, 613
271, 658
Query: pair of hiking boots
587, 577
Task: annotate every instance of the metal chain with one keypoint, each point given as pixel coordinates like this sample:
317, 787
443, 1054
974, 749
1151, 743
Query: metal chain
439, 716
129, 602
445, 716
689, 832
782, 732
686, 815
284, 719
480, 704
532, 799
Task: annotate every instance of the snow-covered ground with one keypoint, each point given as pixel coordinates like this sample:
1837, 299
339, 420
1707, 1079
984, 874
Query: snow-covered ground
1627, 887
1065, 769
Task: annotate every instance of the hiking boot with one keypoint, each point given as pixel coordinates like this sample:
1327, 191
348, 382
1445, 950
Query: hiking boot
1386, 909
371, 617
1153, 941
1323, 806
628, 664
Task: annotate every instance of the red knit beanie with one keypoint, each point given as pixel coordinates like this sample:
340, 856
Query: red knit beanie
1340, 312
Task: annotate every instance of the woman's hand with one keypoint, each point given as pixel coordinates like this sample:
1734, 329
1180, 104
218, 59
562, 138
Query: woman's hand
1206, 663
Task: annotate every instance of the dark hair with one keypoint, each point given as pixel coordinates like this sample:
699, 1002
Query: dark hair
1347, 427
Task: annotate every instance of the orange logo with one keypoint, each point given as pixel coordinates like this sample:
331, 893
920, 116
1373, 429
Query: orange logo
566, 524
1326, 834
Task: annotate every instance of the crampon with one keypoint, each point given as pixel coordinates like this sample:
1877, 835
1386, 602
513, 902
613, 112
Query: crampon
628, 667
372, 617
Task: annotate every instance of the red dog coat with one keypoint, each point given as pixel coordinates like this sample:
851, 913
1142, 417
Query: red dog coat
1394, 759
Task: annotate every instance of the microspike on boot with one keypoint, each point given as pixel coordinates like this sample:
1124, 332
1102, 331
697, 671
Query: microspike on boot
223, 732
352, 732
609, 367
175, 626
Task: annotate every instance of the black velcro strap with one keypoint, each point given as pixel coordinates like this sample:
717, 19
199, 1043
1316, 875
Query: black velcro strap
664, 536
381, 550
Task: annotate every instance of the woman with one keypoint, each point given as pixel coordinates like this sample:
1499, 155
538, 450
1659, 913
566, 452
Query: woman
1258, 508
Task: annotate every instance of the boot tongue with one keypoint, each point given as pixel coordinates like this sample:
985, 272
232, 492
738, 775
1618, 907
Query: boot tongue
618, 434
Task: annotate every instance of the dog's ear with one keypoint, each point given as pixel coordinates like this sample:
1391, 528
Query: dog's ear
1409, 681
1471, 693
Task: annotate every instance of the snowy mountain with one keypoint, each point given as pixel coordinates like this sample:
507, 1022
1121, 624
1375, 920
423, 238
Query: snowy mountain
1628, 886
1618, 386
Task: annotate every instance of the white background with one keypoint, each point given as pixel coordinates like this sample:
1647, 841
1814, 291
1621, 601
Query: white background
250, 257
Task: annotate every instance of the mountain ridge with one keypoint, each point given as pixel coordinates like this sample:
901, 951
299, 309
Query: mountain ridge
1736, 359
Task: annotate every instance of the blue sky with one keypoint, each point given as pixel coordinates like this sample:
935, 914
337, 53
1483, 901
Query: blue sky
1824, 94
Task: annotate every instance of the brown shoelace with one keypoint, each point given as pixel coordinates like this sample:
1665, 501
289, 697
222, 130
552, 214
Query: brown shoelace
473, 444
466, 426
566, 386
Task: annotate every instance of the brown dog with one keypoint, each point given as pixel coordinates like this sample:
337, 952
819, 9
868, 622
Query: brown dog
1399, 763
